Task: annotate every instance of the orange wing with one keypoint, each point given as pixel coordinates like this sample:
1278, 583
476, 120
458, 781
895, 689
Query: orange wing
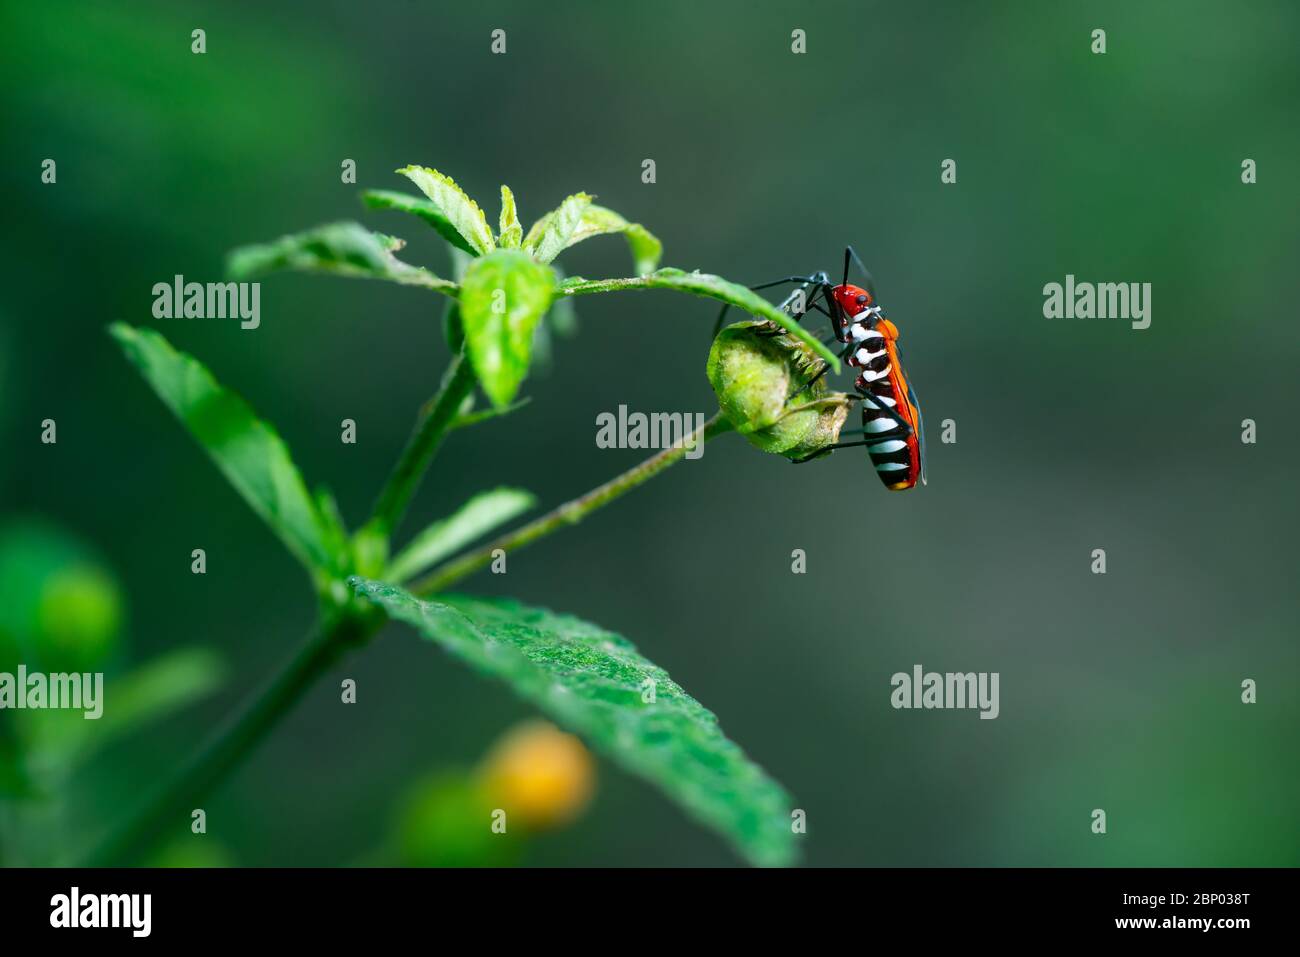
908, 411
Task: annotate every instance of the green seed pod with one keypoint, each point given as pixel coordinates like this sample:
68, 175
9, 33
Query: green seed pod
754, 373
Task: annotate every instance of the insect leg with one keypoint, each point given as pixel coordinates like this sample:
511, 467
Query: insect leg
838, 329
718, 325
816, 455
800, 316
831, 448
828, 450
816, 280
764, 285
808, 280
894, 433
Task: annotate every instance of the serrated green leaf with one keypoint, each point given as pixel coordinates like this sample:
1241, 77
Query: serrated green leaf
248, 451
344, 249
713, 287
461, 211
593, 682
482, 513
645, 246
510, 232
425, 209
502, 298
552, 232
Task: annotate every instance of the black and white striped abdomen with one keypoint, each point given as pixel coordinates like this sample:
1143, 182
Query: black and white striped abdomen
892, 455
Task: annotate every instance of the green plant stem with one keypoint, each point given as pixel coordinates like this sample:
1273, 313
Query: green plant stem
570, 513
168, 814
432, 425
165, 813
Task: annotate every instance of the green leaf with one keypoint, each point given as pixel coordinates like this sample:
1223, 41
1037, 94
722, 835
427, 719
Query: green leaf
370, 550
510, 232
426, 210
344, 249
157, 688
593, 682
334, 531
462, 212
554, 231
59, 740
502, 298
247, 450
705, 284
482, 513
645, 246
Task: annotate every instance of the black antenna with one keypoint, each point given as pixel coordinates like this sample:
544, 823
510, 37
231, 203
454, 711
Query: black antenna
871, 282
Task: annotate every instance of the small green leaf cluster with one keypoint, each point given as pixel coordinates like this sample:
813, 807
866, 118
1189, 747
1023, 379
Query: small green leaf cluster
504, 290
589, 680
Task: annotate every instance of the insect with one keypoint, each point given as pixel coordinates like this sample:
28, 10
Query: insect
892, 426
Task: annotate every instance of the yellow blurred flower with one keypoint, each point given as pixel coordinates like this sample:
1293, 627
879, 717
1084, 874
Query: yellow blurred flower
539, 775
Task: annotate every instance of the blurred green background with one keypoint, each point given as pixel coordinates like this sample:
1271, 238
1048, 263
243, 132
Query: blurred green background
1118, 691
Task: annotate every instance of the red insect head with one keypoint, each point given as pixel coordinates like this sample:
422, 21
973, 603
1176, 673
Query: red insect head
851, 299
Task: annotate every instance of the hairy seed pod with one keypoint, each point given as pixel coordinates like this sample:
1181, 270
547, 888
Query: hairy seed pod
755, 374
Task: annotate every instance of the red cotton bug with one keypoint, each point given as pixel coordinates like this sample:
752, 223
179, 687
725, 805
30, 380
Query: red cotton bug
892, 426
